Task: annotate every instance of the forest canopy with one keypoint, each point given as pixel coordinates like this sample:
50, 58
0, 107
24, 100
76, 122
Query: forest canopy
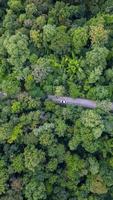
50, 151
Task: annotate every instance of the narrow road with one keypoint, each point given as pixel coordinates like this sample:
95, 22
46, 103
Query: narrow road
77, 102
86, 103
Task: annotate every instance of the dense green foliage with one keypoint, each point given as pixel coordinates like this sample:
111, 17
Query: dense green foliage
50, 151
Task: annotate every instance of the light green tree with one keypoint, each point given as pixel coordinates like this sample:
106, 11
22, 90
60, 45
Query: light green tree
17, 48
33, 158
79, 39
3, 176
35, 190
17, 163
